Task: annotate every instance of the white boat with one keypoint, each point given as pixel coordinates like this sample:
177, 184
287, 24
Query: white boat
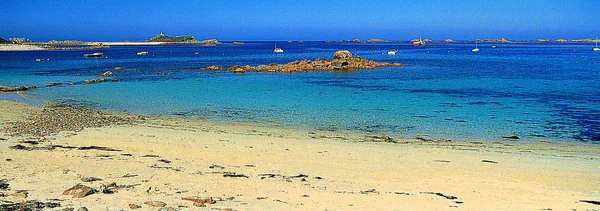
392, 52
596, 48
476, 49
493, 46
142, 53
277, 50
97, 55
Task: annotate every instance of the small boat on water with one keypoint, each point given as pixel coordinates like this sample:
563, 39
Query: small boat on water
596, 48
493, 46
41, 59
94, 55
277, 50
476, 49
142, 53
392, 52
418, 42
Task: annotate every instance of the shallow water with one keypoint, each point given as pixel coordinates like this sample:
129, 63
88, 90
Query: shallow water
533, 91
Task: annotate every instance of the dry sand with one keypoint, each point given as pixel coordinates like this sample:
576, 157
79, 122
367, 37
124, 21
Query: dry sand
278, 169
126, 43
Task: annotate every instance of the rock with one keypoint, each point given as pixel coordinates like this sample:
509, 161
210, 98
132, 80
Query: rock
202, 200
343, 59
3, 184
239, 70
134, 206
14, 89
90, 179
21, 194
100, 80
210, 42
82, 209
511, 137
342, 54
107, 73
199, 204
156, 203
168, 209
53, 84
79, 191
118, 68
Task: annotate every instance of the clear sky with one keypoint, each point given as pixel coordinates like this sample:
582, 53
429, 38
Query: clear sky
136, 20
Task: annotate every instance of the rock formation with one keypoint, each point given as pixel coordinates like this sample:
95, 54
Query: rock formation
342, 54
15, 89
342, 60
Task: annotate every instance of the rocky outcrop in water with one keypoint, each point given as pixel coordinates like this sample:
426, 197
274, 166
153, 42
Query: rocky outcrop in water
165, 38
16, 89
342, 60
184, 39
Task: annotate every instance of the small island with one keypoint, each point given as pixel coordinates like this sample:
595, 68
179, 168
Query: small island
342, 60
183, 39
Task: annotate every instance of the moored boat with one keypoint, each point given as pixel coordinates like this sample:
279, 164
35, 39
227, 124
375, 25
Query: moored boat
476, 49
94, 55
277, 50
596, 48
142, 53
392, 52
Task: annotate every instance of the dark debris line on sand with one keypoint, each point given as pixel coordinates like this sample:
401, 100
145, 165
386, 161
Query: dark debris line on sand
29, 205
54, 118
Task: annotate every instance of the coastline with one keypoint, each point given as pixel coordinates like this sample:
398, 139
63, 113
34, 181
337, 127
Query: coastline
257, 168
95, 43
18, 47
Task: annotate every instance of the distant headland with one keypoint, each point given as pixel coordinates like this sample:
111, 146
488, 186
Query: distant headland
16, 44
25, 44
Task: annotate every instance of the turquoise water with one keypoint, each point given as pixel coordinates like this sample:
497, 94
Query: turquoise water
534, 91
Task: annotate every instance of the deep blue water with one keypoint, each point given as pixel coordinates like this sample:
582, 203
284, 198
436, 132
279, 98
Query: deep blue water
534, 91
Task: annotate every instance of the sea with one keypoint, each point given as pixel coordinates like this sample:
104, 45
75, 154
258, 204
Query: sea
524, 92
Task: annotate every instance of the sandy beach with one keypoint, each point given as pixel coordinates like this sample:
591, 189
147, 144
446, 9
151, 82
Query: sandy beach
125, 43
176, 161
16, 47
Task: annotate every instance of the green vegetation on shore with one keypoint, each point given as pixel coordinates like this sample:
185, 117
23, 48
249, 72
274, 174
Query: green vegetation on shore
165, 38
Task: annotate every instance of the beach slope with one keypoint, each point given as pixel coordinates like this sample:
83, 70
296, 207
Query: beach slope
174, 162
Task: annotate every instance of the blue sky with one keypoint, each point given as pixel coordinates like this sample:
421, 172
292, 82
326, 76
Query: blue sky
115, 20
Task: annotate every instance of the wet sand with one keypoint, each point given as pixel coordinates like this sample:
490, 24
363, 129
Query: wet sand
257, 168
